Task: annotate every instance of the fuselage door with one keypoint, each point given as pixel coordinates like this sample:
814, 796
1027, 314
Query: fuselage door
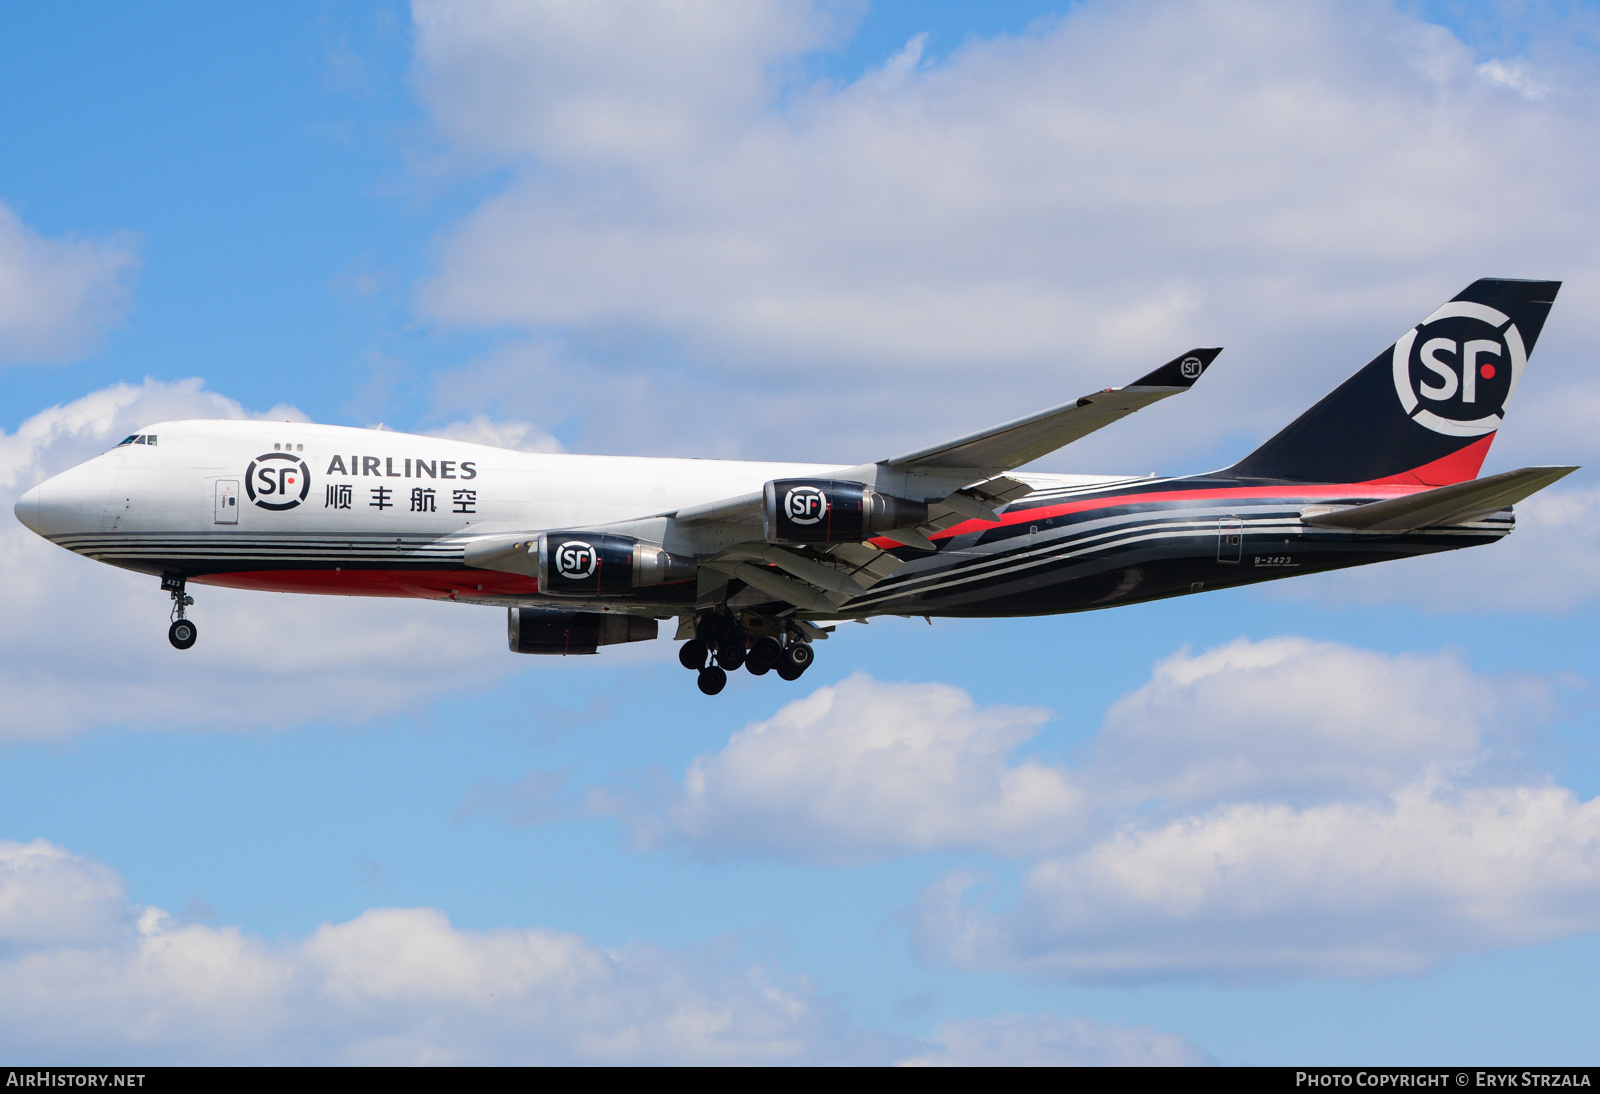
227, 501
1230, 539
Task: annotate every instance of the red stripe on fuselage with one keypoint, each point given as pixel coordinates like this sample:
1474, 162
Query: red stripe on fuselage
1363, 490
422, 584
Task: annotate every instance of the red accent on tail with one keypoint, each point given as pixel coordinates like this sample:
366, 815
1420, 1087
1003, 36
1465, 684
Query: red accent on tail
1461, 465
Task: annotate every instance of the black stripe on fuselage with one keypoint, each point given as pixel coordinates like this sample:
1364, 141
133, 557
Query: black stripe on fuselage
1055, 550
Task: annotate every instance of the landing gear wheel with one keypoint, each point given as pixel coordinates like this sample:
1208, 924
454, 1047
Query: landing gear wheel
712, 679
764, 655
692, 655
796, 659
712, 627
182, 634
731, 653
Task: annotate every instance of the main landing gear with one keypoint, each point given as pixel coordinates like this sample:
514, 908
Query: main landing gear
721, 644
183, 632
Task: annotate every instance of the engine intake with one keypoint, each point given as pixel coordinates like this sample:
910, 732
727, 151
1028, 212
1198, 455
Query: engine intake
584, 564
542, 630
825, 511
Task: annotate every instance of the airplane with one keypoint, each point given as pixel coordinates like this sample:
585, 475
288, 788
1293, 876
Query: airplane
757, 562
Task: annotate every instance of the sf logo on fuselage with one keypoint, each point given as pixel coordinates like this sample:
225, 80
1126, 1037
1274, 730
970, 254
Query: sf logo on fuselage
1456, 372
277, 481
576, 559
805, 505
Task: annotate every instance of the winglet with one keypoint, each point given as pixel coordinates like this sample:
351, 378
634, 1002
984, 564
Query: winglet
1181, 372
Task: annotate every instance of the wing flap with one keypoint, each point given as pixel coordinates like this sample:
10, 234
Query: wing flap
1457, 504
776, 585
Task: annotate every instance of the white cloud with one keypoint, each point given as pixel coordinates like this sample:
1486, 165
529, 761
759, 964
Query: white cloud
1291, 720
482, 429
1035, 213
603, 82
1252, 891
57, 296
1327, 812
1260, 810
48, 896
93, 649
392, 986
1030, 1040
110, 982
60, 437
1550, 564
1516, 77
862, 769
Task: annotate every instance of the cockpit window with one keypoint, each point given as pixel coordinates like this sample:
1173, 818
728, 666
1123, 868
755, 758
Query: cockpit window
137, 438
151, 439
127, 440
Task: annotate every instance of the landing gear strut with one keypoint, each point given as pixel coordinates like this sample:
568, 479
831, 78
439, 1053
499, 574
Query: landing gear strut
183, 632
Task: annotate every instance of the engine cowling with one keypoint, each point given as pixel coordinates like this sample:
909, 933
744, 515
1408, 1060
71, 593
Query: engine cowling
585, 564
825, 511
543, 630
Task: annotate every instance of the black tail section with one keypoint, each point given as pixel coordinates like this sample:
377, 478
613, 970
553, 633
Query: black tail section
1426, 409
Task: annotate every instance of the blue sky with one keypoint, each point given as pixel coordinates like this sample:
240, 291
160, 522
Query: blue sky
792, 231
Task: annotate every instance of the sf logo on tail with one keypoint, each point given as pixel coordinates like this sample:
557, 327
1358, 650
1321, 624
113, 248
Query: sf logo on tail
1455, 372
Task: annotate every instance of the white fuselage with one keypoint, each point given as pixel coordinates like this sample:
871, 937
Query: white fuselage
412, 485
283, 505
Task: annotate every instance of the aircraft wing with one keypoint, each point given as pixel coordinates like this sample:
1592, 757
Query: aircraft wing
1003, 447
975, 488
1026, 439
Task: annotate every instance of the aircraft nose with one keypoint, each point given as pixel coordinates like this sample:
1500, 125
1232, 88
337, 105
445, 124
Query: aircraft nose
27, 509
69, 503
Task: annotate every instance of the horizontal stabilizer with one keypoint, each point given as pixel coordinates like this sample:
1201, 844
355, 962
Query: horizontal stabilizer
1026, 439
1458, 504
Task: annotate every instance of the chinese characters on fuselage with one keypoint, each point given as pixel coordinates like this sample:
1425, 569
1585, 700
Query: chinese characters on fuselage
423, 499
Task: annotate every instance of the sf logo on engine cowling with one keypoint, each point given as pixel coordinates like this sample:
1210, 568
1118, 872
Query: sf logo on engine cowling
1456, 372
277, 481
576, 559
805, 505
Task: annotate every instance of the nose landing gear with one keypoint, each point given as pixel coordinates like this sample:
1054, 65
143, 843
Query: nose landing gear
183, 632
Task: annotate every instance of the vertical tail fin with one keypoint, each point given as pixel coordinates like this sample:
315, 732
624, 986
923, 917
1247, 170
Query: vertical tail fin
1426, 409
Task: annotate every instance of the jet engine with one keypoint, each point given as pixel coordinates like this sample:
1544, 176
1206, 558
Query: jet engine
543, 630
825, 511
586, 564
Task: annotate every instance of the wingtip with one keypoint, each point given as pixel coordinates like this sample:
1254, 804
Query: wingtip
1182, 371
